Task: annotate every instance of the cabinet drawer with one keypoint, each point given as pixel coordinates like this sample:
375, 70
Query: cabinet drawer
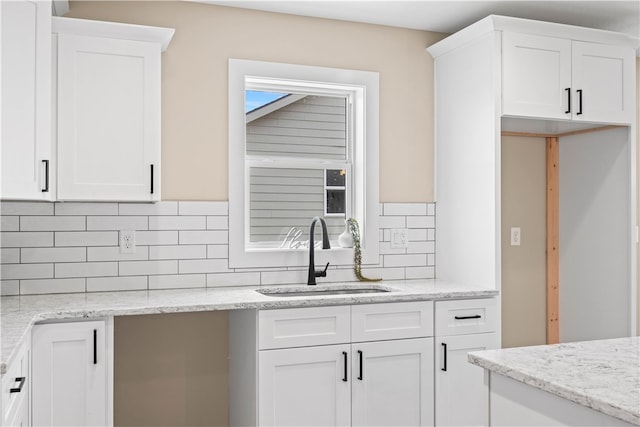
13, 402
472, 316
373, 322
299, 327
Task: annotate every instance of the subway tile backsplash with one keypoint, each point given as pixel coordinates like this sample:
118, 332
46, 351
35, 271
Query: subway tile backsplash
73, 247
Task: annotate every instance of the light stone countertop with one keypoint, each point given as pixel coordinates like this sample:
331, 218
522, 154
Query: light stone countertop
19, 313
603, 375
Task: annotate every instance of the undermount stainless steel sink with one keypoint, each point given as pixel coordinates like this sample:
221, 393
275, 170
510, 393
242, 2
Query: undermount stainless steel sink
312, 291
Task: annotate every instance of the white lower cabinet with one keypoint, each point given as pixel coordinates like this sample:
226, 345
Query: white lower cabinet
16, 389
364, 365
461, 390
70, 366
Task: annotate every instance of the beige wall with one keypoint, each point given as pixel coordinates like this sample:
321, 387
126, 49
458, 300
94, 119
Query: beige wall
194, 86
171, 370
524, 267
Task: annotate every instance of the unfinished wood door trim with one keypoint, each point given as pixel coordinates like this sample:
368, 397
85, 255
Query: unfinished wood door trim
553, 237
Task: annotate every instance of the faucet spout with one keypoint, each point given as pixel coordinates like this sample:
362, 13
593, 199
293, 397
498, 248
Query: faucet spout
325, 245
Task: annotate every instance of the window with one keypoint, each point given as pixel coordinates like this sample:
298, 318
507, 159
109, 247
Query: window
300, 147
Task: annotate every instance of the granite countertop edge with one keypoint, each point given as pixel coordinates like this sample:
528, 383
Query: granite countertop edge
20, 313
542, 380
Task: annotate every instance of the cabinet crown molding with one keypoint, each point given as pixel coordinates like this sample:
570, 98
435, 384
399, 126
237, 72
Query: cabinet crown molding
529, 26
114, 30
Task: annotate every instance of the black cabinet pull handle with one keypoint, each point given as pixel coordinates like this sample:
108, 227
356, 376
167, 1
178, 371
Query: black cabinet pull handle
46, 176
95, 346
152, 179
568, 100
361, 376
579, 101
344, 355
444, 346
19, 388
476, 316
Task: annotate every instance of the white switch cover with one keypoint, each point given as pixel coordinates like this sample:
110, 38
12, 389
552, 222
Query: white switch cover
515, 236
127, 241
399, 238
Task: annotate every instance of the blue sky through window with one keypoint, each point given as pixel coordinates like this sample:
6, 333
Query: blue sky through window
256, 99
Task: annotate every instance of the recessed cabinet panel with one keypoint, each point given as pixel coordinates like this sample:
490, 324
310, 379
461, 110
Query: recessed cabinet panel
371, 322
536, 72
604, 76
108, 119
26, 99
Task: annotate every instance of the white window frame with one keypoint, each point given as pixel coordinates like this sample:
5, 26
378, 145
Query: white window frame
363, 87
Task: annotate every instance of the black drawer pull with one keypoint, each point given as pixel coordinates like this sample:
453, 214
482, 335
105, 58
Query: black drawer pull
476, 316
444, 347
19, 388
361, 376
95, 346
344, 355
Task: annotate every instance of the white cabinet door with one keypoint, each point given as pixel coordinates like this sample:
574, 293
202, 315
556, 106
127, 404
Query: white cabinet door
462, 395
604, 83
26, 100
108, 119
307, 386
536, 76
392, 383
69, 374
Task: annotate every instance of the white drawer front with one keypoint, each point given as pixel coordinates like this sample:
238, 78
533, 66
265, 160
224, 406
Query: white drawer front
300, 327
371, 322
471, 316
12, 402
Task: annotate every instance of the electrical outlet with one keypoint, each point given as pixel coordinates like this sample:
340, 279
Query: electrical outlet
515, 236
127, 241
399, 238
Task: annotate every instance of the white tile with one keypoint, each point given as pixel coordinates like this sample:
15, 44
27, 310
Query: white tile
188, 266
431, 234
112, 253
26, 208
15, 239
421, 221
283, 277
233, 279
431, 259
26, 271
420, 272
86, 238
405, 209
176, 281
105, 284
178, 252
217, 223
386, 249
9, 256
409, 260
203, 208
177, 223
431, 209
52, 286
417, 234
216, 237
160, 208
421, 248
217, 251
117, 223
392, 222
73, 208
86, 269
153, 238
9, 223
9, 287
384, 273
30, 255
52, 223
386, 235
144, 268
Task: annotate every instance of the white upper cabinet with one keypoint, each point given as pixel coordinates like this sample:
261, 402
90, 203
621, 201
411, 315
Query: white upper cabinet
108, 80
26, 100
558, 78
